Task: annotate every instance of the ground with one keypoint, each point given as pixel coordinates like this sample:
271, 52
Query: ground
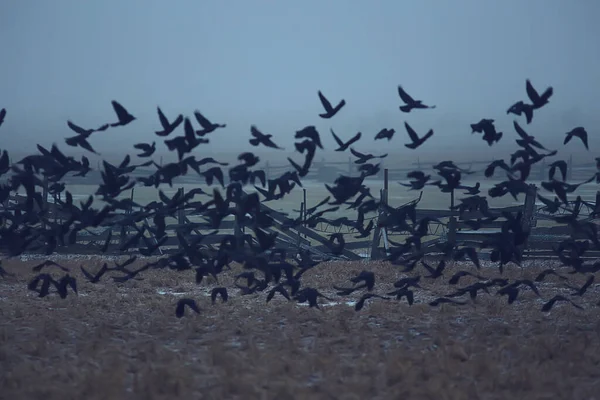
116, 341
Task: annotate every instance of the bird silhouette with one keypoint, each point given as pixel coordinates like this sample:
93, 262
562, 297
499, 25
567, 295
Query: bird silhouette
329, 110
409, 102
416, 140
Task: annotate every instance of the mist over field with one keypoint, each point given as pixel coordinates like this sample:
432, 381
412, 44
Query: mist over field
262, 62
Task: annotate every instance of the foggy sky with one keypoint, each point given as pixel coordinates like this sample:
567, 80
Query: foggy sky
262, 62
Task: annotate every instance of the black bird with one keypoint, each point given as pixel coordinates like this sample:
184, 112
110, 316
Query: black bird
520, 108
456, 277
249, 159
542, 275
2, 115
182, 303
147, 149
168, 127
309, 132
219, 291
400, 293
368, 279
361, 302
46, 280
550, 206
405, 283
409, 102
446, 300
579, 132
537, 100
81, 141
207, 126
343, 146
480, 126
336, 243
436, 272
385, 134
261, 138
416, 140
489, 170
526, 140
562, 167
329, 110
472, 290
309, 295
469, 252
94, 278
122, 114
550, 303
363, 158
214, 173
471, 190
79, 130
278, 289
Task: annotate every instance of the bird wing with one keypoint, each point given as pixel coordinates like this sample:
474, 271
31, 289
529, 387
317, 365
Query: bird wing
201, 119
356, 153
532, 93
405, 96
411, 132
520, 130
325, 102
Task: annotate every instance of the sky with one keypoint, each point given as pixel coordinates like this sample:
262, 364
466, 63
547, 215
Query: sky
262, 62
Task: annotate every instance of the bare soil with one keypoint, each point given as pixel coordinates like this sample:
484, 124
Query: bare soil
122, 341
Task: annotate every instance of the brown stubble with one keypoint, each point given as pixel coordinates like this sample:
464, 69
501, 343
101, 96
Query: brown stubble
123, 340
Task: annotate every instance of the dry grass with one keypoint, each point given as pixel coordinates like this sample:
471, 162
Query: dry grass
123, 341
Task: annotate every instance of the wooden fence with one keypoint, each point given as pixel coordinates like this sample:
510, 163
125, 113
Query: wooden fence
295, 238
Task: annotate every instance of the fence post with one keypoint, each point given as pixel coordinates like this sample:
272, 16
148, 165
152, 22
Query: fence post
528, 213
44, 197
268, 170
377, 232
452, 228
181, 219
542, 169
303, 208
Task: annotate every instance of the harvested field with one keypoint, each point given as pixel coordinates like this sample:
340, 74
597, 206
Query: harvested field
116, 341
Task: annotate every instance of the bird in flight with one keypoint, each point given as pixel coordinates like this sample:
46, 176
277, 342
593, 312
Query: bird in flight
409, 102
330, 111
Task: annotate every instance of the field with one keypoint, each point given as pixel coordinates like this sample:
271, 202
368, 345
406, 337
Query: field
116, 341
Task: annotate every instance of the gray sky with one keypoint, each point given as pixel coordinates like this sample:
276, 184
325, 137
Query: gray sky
261, 62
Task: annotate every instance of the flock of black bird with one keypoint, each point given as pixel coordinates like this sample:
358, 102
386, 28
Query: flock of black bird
26, 226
